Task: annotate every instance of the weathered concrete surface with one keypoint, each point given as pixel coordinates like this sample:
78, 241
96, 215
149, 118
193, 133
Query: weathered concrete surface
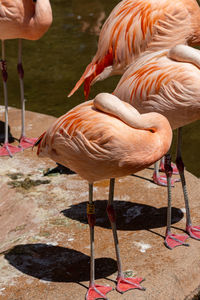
44, 237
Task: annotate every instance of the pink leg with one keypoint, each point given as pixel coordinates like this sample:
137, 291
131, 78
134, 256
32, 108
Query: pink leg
7, 149
95, 291
123, 284
193, 231
24, 141
171, 240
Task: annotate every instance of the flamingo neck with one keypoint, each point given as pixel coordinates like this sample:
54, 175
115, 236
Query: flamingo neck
42, 18
128, 114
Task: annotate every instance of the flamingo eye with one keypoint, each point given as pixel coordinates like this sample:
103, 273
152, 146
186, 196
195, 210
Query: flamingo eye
152, 130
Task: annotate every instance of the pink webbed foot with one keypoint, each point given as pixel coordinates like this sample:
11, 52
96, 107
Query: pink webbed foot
27, 142
9, 150
97, 292
162, 180
126, 284
174, 168
172, 240
193, 231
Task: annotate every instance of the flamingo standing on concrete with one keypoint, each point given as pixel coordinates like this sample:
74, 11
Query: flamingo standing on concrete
167, 82
21, 19
130, 30
100, 139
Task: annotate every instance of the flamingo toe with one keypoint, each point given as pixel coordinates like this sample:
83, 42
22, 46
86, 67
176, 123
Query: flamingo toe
27, 142
193, 231
9, 150
98, 292
126, 284
172, 240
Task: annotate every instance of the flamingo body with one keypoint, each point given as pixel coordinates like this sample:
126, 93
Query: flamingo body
155, 82
98, 145
134, 26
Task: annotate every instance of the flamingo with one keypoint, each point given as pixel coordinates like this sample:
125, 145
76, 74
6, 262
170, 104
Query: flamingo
21, 19
132, 26
130, 29
101, 139
166, 82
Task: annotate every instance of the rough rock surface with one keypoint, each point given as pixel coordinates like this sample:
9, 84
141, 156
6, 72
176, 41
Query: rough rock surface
44, 236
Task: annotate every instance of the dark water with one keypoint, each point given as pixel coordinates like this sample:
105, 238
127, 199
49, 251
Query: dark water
54, 63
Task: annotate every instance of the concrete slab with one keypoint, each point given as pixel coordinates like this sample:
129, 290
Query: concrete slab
44, 236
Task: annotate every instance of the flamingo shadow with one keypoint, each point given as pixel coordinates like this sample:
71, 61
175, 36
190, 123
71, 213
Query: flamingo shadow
143, 178
11, 139
59, 169
57, 264
130, 216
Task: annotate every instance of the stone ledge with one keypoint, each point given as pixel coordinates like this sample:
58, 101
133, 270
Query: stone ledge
44, 235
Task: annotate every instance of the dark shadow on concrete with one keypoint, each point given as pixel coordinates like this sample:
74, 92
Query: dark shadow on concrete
57, 264
130, 216
11, 139
151, 180
60, 169
143, 178
156, 233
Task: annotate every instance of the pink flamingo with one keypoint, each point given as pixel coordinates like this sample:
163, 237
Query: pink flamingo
130, 30
166, 82
21, 19
132, 26
100, 139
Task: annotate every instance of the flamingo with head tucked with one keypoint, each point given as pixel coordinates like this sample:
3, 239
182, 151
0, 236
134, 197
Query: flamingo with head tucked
167, 82
21, 19
100, 139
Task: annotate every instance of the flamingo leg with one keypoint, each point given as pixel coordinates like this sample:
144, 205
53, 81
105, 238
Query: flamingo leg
123, 284
7, 149
171, 240
24, 141
193, 231
162, 166
162, 180
95, 291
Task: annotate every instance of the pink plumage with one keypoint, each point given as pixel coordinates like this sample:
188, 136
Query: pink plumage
132, 27
99, 145
20, 19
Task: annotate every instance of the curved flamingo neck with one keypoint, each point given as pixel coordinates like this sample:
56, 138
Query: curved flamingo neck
183, 53
128, 114
42, 18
